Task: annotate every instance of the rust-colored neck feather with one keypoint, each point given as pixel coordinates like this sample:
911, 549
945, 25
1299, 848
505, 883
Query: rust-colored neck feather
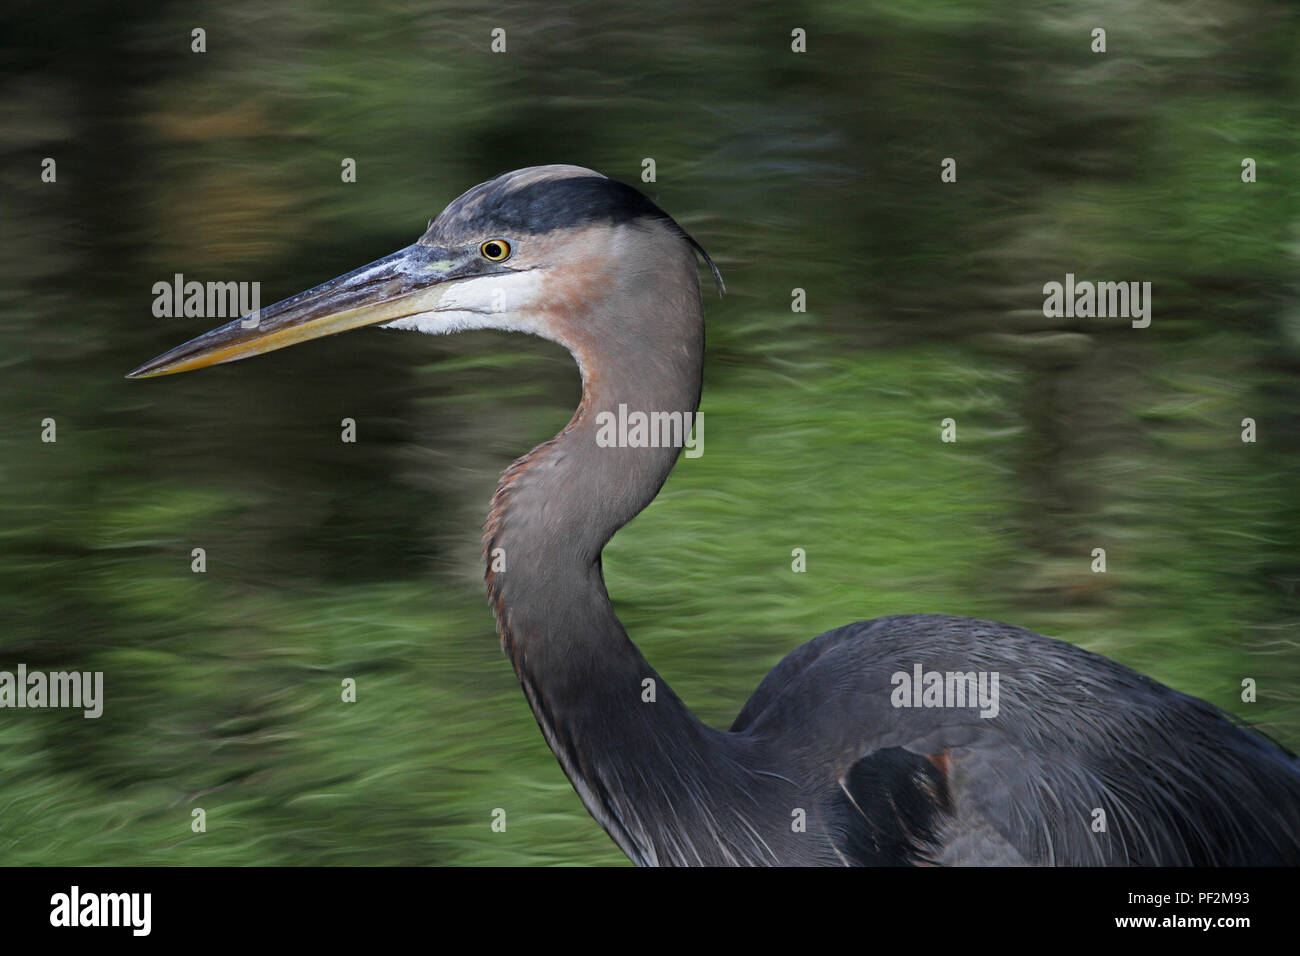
608, 716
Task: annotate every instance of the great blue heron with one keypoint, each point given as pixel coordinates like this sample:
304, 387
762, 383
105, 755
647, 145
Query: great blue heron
1078, 761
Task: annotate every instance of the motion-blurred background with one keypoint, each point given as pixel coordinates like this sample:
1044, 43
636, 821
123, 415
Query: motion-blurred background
817, 171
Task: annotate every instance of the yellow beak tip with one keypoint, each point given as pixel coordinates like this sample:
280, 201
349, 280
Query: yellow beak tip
144, 372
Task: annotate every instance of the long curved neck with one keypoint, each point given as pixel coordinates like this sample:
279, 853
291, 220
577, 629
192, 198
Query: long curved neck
640, 760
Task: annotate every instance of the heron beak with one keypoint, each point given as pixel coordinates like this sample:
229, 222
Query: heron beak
406, 283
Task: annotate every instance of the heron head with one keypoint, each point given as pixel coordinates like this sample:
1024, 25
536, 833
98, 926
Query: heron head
530, 251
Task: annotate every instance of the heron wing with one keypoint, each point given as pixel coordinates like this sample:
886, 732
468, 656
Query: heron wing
1085, 762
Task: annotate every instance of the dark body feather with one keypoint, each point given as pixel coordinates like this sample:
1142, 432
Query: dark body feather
1180, 782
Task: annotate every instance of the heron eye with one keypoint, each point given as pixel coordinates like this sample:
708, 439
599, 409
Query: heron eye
495, 250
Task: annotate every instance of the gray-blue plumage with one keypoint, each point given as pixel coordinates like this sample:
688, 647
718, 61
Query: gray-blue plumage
1081, 762
1179, 782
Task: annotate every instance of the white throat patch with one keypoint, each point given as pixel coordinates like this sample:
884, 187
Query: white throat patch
506, 302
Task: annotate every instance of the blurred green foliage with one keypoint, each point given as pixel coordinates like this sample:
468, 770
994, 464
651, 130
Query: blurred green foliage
819, 171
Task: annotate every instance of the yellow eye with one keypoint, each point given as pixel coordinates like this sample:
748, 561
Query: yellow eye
495, 250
